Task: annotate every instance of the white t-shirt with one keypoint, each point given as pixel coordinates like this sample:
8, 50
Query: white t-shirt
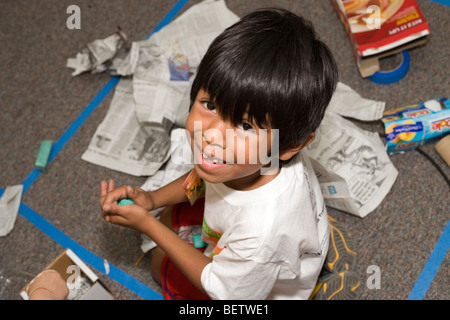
266, 243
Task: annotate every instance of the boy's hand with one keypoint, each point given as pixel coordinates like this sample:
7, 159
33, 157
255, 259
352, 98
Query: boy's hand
109, 196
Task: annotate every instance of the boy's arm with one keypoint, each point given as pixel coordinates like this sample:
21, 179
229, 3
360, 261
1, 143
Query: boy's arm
170, 194
188, 259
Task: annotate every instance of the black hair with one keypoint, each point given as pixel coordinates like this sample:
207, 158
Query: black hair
270, 65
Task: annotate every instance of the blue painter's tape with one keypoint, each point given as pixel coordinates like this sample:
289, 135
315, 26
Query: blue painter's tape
388, 77
432, 266
169, 16
84, 254
444, 2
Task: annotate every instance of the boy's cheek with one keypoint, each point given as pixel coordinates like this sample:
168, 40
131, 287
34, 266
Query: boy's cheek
190, 128
193, 119
189, 125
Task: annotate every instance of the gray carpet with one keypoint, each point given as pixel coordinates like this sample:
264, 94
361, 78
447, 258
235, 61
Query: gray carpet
39, 99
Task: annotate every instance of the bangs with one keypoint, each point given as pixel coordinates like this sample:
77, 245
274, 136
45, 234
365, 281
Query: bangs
245, 81
235, 91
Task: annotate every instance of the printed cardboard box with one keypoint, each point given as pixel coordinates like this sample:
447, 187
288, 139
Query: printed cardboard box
83, 283
381, 28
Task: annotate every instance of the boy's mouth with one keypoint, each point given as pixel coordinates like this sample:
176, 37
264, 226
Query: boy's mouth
211, 159
207, 160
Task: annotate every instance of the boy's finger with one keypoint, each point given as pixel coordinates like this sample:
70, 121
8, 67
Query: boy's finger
103, 188
103, 192
111, 185
116, 211
138, 195
132, 193
113, 196
116, 219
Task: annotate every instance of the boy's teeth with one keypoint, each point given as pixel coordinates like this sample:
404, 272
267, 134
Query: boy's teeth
215, 161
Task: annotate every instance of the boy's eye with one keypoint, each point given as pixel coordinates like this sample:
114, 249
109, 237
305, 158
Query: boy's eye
246, 126
209, 105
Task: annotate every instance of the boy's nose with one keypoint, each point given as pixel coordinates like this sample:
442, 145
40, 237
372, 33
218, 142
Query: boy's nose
215, 132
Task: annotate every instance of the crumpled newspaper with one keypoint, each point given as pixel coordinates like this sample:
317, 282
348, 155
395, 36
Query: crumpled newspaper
9, 207
101, 54
352, 165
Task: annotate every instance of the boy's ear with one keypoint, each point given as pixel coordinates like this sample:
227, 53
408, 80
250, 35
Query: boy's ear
292, 151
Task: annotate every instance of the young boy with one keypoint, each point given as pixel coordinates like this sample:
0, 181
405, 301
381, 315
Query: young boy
260, 92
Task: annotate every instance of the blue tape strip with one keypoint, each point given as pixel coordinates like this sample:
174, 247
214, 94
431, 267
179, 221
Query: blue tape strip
444, 2
388, 77
169, 17
432, 266
84, 254
96, 262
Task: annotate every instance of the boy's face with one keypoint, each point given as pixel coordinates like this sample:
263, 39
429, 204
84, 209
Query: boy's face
230, 154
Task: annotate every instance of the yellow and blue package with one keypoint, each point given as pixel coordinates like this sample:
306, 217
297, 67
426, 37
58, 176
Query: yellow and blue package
409, 127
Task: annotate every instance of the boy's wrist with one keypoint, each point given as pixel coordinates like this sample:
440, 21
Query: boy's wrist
152, 205
170, 194
165, 196
148, 226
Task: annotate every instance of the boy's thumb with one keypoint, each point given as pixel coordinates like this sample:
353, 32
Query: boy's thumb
131, 191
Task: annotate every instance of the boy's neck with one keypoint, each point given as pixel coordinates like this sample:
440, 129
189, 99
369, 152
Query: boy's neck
252, 181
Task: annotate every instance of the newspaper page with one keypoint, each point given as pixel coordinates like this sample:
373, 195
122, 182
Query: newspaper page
352, 166
134, 137
180, 161
122, 143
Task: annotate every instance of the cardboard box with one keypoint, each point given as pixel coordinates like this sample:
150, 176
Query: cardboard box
443, 149
82, 282
381, 28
